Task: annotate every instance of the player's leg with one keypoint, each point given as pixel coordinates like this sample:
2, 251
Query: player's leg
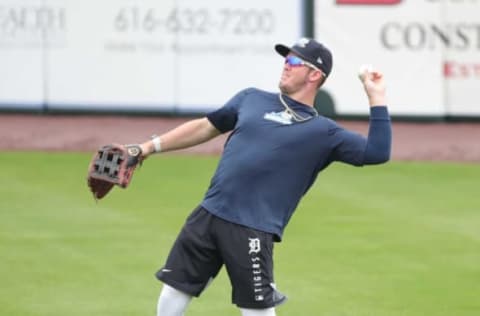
258, 312
191, 265
248, 257
172, 302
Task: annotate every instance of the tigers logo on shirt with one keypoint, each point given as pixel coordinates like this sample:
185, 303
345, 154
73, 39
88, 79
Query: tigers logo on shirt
279, 117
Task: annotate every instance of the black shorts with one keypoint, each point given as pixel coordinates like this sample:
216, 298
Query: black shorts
205, 243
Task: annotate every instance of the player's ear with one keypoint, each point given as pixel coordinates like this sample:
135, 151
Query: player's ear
316, 76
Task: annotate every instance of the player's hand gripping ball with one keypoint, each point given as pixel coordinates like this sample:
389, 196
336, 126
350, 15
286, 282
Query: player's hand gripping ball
364, 70
111, 165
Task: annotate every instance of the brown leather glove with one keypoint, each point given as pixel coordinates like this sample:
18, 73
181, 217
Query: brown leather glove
111, 165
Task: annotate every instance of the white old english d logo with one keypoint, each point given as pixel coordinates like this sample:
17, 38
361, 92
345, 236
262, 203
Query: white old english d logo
254, 244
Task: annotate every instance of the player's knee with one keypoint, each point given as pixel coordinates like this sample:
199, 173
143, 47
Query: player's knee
172, 302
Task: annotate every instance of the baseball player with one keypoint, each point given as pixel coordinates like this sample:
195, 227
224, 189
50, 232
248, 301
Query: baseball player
277, 146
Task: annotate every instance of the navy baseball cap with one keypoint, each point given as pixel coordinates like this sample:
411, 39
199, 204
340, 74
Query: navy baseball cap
309, 50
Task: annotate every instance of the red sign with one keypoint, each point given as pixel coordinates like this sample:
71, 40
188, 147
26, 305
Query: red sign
371, 2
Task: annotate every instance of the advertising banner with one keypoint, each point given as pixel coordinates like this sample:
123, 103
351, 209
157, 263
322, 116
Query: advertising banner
23, 28
462, 57
223, 47
184, 55
429, 51
111, 60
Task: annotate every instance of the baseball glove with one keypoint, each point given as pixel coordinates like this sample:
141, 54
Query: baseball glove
111, 165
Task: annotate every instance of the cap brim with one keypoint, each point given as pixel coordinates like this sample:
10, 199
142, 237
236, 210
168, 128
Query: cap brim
285, 50
282, 49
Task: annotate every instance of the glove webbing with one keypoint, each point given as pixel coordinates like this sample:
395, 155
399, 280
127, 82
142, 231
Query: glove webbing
108, 163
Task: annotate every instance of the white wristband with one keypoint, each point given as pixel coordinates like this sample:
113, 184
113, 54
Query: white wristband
157, 144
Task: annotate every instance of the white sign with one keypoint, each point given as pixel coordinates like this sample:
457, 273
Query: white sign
175, 55
230, 46
428, 50
462, 58
113, 58
23, 28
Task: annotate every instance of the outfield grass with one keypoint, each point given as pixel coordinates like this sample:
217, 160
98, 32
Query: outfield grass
397, 239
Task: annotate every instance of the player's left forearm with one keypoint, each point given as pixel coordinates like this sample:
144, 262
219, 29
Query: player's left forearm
379, 141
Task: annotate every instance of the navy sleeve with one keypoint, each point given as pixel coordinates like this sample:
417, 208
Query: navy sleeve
225, 118
355, 149
379, 136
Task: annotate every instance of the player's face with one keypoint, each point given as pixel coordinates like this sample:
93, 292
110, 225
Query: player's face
294, 75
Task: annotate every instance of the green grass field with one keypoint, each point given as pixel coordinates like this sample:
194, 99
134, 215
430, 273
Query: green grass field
397, 239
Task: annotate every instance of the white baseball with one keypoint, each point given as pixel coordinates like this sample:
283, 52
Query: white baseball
364, 69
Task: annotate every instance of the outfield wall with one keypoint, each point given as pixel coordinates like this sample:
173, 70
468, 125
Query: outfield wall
168, 56
190, 56
428, 49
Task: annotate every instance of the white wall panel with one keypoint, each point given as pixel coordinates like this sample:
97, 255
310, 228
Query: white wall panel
23, 25
428, 50
180, 55
110, 61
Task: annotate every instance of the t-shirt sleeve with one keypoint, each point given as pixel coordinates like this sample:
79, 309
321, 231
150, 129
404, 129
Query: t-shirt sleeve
355, 149
225, 118
348, 147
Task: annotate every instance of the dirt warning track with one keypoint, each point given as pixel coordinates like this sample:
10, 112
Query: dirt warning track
32, 132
